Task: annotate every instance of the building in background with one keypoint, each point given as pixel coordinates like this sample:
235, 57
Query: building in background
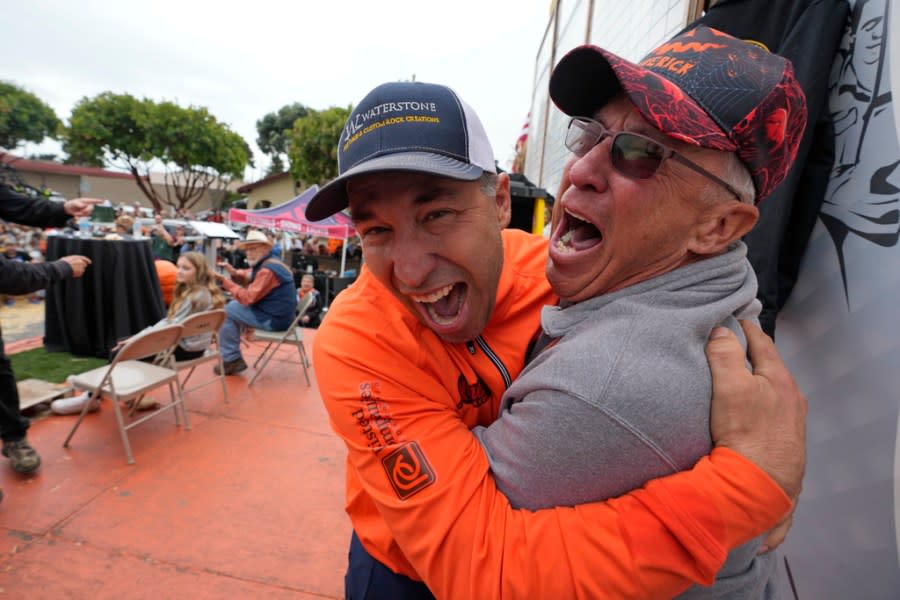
629, 29
71, 181
271, 191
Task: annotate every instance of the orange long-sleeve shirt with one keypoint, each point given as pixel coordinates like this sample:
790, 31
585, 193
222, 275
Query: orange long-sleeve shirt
419, 491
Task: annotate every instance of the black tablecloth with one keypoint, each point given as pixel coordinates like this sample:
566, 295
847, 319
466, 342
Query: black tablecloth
117, 296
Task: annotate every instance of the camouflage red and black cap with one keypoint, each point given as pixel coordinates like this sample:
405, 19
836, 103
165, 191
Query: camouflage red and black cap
703, 87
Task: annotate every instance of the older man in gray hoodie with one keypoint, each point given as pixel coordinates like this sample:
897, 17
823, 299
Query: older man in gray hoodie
670, 157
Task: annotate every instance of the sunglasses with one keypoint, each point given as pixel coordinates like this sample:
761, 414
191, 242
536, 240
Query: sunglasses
631, 154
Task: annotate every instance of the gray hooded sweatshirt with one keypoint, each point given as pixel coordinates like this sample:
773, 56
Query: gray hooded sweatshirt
623, 397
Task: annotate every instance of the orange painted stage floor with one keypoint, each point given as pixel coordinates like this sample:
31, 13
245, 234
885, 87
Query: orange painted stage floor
247, 504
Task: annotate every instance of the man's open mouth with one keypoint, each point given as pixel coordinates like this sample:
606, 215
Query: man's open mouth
575, 235
442, 305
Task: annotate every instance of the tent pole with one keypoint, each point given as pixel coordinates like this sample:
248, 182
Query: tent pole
344, 253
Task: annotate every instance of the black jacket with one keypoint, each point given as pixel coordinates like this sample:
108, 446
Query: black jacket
807, 32
20, 277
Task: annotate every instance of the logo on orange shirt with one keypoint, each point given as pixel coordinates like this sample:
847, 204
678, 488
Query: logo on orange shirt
475, 394
408, 470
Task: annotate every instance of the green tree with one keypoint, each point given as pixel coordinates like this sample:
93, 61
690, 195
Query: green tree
313, 145
188, 145
24, 117
274, 131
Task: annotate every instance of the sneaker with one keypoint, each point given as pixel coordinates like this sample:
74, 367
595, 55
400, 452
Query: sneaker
232, 367
22, 457
73, 405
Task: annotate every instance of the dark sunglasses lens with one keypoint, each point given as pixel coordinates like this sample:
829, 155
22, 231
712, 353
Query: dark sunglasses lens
635, 156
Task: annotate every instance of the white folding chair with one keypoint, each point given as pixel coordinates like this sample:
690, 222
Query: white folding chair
292, 336
129, 379
208, 322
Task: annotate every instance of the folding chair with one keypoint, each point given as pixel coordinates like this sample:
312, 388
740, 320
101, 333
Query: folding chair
129, 379
199, 324
292, 336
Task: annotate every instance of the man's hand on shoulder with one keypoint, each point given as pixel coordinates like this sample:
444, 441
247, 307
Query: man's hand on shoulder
761, 415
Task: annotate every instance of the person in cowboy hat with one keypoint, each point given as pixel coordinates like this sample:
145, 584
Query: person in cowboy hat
263, 297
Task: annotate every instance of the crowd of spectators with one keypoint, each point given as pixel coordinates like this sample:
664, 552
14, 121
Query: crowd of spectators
169, 239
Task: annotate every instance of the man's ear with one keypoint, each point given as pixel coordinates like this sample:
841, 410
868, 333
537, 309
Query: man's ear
721, 225
504, 201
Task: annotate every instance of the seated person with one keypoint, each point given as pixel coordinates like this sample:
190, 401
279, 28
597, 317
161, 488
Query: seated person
314, 311
646, 259
14, 252
195, 291
268, 302
124, 228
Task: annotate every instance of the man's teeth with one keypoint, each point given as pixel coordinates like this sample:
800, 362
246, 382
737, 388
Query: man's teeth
562, 244
433, 296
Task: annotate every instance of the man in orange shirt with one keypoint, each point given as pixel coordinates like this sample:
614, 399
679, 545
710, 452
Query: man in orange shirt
420, 349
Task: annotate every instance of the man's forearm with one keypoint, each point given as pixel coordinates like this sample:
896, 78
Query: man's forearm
23, 278
35, 212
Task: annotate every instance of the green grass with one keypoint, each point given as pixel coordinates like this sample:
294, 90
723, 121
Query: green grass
51, 366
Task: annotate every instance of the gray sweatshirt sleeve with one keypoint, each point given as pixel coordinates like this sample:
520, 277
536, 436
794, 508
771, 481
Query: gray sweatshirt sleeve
554, 449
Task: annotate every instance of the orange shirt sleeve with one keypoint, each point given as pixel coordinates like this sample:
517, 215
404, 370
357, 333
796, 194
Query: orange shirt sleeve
412, 456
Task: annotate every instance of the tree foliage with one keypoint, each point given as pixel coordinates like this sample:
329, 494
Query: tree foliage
313, 145
191, 148
24, 117
274, 131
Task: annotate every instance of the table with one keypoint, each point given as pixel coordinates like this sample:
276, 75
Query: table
117, 296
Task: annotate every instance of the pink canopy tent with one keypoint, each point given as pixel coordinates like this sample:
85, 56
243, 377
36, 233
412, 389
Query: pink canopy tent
291, 217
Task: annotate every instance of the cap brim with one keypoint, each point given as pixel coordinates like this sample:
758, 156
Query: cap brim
332, 197
588, 77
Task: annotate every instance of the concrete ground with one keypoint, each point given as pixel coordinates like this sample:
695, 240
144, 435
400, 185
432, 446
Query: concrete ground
247, 504
21, 321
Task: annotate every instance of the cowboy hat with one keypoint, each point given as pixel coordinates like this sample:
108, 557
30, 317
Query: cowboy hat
256, 237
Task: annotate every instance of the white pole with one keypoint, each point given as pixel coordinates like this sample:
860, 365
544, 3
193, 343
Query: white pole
344, 253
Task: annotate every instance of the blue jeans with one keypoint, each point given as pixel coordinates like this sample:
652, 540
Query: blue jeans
239, 317
369, 579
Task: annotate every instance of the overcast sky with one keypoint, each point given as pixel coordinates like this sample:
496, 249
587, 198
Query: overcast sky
243, 60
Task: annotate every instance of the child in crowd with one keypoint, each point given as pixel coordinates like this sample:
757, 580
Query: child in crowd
195, 291
313, 313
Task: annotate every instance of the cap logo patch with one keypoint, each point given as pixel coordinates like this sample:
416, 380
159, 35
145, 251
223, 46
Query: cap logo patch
364, 122
408, 470
682, 47
663, 58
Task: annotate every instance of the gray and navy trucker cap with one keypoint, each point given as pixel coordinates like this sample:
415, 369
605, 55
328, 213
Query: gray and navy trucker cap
406, 126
